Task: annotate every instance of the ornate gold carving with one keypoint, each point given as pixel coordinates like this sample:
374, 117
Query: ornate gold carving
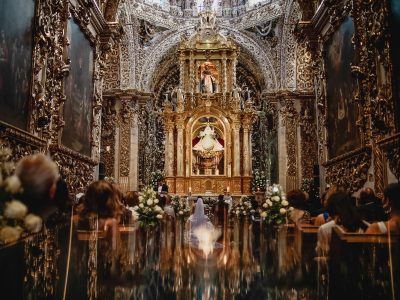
304, 70
77, 169
20, 142
290, 121
125, 115
108, 126
391, 150
49, 69
349, 171
309, 146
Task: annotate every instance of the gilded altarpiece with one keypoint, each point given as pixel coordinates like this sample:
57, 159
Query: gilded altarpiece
208, 131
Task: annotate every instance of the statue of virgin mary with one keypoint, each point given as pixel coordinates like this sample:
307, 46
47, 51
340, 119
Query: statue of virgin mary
207, 83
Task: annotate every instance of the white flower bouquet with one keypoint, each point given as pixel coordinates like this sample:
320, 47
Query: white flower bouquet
275, 208
14, 218
243, 208
148, 212
180, 206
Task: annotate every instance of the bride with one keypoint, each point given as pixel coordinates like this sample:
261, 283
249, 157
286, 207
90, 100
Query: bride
200, 232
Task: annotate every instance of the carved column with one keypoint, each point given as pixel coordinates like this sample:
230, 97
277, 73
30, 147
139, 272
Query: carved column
236, 149
179, 144
134, 154
246, 150
169, 153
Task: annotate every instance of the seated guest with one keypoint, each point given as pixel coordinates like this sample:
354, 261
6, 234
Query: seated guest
370, 207
101, 200
298, 200
342, 213
323, 215
131, 198
392, 197
228, 198
38, 175
162, 192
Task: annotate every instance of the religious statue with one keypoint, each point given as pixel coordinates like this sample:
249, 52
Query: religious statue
207, 81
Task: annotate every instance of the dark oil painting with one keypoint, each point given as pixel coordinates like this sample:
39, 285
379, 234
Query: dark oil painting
78, 90
395, 33
16, 27
343, 134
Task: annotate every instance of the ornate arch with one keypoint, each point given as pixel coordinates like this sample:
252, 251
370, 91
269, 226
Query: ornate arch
158, 52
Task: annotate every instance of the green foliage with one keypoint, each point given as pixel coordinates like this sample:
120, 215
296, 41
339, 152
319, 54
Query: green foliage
259, 181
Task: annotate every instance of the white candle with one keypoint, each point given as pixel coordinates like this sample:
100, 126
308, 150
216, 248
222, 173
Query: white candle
190, 189
227, 189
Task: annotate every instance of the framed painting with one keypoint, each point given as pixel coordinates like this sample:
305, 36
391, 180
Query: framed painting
343, 134
394, 27
16, 40
78, 87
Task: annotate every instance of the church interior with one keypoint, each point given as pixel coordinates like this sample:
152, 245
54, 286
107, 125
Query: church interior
199, 149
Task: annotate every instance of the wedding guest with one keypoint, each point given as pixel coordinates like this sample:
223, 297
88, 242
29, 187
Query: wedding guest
38, 175
131, 198
323, 215
392, 197
370, 207
101, 200
228, 198
342, 213
298, 200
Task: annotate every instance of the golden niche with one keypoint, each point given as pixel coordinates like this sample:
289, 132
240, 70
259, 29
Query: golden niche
208, 134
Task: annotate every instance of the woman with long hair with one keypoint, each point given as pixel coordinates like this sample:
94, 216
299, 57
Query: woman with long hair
342, 213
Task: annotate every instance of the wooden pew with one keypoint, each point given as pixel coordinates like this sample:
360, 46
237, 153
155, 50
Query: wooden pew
306, 241
363, 266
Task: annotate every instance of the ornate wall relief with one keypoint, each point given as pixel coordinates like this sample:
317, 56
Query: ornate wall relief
290, 121
108, 126
265, 140
151, 142
308, 139
349, 171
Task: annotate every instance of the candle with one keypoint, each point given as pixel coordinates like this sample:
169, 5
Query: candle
190, 189
227, 189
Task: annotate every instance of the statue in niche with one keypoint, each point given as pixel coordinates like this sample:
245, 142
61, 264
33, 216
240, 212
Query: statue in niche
237, 99
208, 82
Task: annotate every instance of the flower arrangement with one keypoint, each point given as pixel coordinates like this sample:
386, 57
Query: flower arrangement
243, 208
148, 212
15, 221
259, 181
275, 207
180, 206
156, 177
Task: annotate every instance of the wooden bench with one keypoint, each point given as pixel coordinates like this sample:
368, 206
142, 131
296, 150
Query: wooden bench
363, 266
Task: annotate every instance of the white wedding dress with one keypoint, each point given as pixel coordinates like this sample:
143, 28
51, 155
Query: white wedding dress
200, 232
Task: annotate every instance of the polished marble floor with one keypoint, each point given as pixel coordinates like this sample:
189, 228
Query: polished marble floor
247, 262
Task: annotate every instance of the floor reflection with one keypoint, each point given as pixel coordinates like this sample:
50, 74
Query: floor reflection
244, 262
251, 262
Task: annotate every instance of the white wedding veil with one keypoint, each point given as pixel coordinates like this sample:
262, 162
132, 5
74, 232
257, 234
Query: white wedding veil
198, 218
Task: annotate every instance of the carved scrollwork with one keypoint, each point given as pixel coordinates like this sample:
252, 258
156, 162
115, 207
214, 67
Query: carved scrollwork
20, 142
49, 68
349, 171
290, 121
309, 146
391, 150
77, 169
108, 126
